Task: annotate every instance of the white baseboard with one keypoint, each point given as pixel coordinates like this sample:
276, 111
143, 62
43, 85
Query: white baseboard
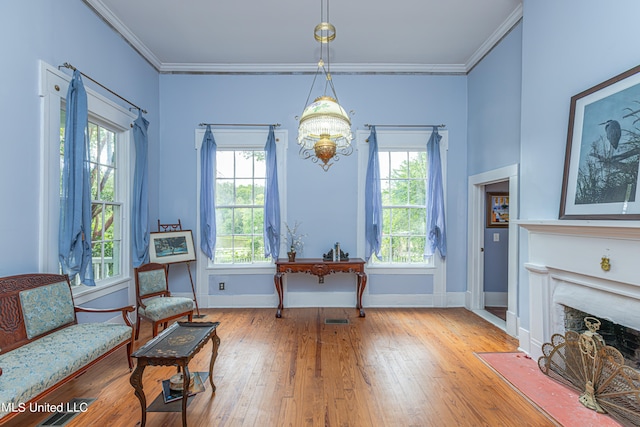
398, 300
525, 343
239, 301
496, 299
326, 299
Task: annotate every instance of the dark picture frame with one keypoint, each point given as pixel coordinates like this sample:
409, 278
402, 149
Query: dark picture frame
168, 247
602, 158
497, 209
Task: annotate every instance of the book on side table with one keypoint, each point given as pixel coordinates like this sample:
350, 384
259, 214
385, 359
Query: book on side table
196, 386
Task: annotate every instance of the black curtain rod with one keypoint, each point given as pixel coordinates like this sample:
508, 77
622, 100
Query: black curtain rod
406, 126
239, 124
67, 65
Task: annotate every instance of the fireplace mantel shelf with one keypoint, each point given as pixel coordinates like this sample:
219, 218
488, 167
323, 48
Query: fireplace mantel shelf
603, 229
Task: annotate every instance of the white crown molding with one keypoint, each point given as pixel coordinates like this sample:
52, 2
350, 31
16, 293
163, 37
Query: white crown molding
495, 38
311, 68
356, 68
112, 20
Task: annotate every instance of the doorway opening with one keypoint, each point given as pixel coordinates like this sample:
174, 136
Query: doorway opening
479, 297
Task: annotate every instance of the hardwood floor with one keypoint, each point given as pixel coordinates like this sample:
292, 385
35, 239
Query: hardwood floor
396, 367
500, 312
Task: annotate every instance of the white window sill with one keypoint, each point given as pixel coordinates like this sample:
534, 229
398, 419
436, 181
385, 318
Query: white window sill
83, 294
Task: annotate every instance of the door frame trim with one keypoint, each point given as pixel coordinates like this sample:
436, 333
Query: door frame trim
475, 270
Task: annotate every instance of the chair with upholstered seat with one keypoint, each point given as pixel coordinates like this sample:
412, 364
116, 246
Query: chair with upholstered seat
154, 300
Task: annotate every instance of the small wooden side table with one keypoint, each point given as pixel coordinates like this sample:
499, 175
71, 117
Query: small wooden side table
175, 346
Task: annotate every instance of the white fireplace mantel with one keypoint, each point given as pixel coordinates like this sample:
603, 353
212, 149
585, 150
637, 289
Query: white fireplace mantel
608, 229
564, 264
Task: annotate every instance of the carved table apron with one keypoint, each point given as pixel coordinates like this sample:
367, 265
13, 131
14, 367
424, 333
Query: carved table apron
319, 267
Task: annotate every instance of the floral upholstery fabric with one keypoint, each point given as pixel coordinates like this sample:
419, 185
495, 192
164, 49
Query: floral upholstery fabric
152, 281
159, 308
34, 367
46, 308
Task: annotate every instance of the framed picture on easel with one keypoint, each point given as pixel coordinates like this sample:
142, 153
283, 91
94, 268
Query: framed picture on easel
169, 247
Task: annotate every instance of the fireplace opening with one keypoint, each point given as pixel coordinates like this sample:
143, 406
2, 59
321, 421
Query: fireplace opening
626, 340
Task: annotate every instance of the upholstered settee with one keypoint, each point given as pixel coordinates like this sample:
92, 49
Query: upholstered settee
42, 345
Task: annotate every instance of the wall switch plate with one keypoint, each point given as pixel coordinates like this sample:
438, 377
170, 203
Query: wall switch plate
221, 286
496, 237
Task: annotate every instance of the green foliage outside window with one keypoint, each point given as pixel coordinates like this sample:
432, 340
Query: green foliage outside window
105, 208
403, 181
240, 185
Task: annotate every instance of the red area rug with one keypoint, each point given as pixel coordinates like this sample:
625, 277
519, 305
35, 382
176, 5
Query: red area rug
558, 401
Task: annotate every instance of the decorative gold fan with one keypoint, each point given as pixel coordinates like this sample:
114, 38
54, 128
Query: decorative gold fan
585, 363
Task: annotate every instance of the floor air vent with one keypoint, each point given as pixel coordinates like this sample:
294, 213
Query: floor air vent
65, 412
336, 321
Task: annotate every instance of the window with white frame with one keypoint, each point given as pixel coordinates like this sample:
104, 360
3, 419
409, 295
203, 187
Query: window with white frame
240, 180
106, 201
239, 191
403, 163
110, 150
403, 186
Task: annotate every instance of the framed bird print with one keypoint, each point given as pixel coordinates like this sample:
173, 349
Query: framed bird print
603, 151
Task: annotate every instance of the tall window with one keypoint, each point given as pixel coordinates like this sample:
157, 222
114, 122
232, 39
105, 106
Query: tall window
240, 180
403, 163
240, 184
403, 177
109, 159
106, 203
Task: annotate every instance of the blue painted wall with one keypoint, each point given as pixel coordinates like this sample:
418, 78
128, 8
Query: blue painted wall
494, 106
494, 136
324, 202
565, 47
56, 32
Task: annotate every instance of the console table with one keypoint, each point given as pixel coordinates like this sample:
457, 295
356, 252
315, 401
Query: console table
319, 267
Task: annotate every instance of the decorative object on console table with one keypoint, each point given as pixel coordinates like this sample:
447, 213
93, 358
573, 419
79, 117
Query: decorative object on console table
294, 241
603, 151
330, 256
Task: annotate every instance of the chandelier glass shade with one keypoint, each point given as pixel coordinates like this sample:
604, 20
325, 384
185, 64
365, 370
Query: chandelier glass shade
324, 131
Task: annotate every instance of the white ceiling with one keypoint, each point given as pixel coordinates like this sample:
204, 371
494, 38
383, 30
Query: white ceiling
400, 36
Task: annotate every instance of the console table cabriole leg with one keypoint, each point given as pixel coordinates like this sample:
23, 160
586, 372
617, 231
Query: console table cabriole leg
136, 382
362, 283
277, 279
215, 341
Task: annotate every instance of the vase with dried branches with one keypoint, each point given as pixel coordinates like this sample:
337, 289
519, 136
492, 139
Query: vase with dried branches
295, 241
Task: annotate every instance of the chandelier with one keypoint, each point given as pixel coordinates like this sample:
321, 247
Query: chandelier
324, 131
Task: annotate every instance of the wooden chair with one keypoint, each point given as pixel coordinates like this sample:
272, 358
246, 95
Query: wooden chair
154, 300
